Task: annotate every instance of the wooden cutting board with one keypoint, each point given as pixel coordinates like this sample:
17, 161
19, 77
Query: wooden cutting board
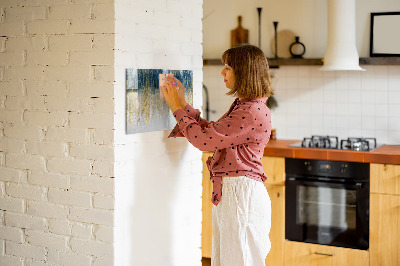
239, 35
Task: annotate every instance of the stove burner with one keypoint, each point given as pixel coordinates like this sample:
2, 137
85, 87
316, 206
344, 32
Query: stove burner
328, 142
332, 142
358, 144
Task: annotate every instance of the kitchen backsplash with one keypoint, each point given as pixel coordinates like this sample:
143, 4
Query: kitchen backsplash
314, 102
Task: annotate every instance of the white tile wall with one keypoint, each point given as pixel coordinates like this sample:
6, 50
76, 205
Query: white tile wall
312, 102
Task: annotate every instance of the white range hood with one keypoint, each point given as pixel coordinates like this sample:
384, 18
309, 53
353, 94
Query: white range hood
341, 51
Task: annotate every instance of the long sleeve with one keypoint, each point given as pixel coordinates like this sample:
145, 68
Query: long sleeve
193, 113
231, 130
238, 139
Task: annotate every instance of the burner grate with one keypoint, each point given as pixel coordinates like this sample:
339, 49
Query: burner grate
332, 142
358, 144
327, 142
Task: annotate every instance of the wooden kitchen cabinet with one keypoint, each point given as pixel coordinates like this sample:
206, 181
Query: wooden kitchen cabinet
277, 233
384, 237
385, 178
206, 225
305, 254
274, 168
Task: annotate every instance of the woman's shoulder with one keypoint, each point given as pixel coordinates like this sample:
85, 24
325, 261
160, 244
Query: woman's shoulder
252, 109
257, 104
260, 111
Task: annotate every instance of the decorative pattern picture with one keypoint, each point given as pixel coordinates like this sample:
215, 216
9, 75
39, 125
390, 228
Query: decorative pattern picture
146, 109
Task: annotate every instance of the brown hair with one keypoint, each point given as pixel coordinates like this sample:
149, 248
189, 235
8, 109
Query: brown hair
250, 66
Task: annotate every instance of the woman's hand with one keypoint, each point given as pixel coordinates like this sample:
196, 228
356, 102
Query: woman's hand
181, 91
171, 93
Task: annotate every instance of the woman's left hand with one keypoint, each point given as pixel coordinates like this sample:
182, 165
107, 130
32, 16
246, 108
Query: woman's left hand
171, 94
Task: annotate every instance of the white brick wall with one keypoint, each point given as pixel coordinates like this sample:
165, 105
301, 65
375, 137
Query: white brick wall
155, 180
61, 132
68, 258
56, 132
25, 251
25, 221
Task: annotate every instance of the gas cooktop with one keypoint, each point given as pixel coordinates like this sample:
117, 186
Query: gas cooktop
332, 142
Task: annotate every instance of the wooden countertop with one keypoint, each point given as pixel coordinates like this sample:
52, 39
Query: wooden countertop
389, 154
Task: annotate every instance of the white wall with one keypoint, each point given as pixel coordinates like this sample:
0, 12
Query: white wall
158, 180
305, 18
56, 132
344, 103
313, 102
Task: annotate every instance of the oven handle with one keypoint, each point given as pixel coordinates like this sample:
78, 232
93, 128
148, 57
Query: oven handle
357, 185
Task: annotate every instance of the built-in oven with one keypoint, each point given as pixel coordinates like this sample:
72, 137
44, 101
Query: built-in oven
327, 202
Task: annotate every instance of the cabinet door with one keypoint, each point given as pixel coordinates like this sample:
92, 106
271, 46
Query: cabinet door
206, 226
274, 168
384, 229
304, 254
385, 178
277, 233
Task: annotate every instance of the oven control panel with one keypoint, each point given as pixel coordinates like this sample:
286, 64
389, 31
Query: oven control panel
336, 169
325, 167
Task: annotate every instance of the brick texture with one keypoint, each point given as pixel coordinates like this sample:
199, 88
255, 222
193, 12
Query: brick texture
46, 209
24, 221
62, 98
25, 250
56, 90
47, 240
68, 258
12, 234
95, 216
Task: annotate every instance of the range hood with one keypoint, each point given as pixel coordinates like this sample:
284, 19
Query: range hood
341, 51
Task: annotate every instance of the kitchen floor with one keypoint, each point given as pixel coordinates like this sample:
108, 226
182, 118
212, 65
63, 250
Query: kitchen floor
206, 261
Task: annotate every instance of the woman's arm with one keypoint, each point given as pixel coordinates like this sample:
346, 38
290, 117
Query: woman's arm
237, 128
193, 113
180, 98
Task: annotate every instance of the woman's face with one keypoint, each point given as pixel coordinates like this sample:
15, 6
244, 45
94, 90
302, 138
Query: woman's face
229, 76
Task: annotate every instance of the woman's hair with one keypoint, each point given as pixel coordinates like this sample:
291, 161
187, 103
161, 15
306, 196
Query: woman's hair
250, 66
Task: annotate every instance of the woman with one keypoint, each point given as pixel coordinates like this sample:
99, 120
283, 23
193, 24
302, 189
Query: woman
242, 208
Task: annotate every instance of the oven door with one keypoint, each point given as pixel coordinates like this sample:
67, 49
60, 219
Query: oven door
327, 213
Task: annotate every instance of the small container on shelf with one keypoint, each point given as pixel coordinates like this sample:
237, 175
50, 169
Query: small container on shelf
273, 134
297, 49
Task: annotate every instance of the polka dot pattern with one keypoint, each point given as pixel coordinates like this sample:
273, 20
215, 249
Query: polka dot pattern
238, 139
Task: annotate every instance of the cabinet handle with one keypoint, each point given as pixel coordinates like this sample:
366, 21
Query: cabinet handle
324, 254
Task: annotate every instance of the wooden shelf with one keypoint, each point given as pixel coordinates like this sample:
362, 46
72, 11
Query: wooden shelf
380, 61
274, 63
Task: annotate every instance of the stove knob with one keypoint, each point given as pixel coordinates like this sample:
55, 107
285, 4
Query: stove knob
308, 166
343, 168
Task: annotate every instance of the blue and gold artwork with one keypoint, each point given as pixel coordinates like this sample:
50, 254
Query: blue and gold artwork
146, 109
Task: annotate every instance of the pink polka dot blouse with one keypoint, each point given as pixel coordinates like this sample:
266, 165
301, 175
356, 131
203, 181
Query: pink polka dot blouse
238, 139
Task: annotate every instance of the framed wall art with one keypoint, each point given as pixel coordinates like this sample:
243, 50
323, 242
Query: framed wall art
385, 34
146, 109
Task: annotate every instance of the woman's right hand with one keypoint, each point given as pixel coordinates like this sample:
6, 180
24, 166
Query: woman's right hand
181, 91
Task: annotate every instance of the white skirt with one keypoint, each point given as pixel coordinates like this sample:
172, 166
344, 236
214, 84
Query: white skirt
241, 223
